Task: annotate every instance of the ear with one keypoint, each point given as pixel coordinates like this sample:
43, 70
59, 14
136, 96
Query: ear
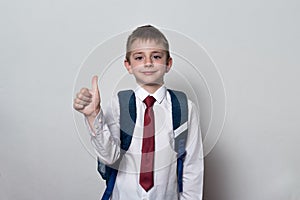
128, 66
169, 64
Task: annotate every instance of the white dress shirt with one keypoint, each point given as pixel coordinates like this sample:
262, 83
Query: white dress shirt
106, 140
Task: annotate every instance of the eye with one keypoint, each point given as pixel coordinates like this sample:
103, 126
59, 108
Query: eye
157, 57
138, 58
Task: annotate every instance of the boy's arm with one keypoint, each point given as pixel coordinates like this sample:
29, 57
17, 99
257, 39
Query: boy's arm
193, 165
105, 137
106, 144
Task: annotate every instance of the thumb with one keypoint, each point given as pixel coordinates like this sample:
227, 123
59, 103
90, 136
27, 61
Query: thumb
95, 84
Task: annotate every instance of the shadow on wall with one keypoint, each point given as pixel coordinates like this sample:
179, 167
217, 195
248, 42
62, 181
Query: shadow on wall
214, 177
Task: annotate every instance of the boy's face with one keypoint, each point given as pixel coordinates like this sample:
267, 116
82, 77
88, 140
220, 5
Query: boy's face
148, 63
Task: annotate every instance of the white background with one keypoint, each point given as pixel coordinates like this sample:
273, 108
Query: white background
255, 45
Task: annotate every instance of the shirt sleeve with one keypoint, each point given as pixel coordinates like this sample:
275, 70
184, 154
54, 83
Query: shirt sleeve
106, 135
193, 165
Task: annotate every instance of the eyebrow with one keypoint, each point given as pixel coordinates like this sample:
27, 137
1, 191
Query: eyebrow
141, 52
158, 51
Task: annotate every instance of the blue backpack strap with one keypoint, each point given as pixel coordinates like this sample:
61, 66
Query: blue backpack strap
127, 124
180, 118
127, 117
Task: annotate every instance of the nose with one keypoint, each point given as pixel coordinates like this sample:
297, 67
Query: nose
148, 61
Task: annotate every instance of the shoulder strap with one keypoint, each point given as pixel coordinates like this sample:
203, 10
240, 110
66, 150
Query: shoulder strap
180, 118
127, 124
180, 128
127, 117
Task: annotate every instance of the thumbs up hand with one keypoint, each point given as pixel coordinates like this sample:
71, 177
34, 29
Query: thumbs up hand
87, 101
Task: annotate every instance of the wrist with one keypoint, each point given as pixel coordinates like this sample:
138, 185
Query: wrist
92, 117
93, 114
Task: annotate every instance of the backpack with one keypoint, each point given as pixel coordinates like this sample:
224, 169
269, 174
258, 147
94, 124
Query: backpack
127, 124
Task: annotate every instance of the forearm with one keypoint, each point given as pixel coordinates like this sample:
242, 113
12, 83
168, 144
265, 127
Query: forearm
193, 170
193, 179
106, 145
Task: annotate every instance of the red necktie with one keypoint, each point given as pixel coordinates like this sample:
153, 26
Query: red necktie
148, 148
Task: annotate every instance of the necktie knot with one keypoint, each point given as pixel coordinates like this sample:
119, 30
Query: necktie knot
149, 101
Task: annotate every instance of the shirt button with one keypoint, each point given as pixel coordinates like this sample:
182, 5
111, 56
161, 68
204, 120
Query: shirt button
96, 126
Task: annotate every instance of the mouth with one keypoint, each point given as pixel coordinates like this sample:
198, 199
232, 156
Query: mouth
148, 72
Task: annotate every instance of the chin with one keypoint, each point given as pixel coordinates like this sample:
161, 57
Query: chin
150, 82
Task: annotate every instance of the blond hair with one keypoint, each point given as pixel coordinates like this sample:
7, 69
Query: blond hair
145, 33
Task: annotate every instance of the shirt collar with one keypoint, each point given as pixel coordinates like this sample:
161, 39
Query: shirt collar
159, 94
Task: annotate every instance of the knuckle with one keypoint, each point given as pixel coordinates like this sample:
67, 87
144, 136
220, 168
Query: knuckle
77, 100
75, 106
82, 90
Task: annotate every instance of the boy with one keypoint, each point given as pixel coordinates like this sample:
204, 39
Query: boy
148, 169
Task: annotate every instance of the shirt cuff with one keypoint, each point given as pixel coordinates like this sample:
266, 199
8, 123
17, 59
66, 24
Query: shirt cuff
97, 124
